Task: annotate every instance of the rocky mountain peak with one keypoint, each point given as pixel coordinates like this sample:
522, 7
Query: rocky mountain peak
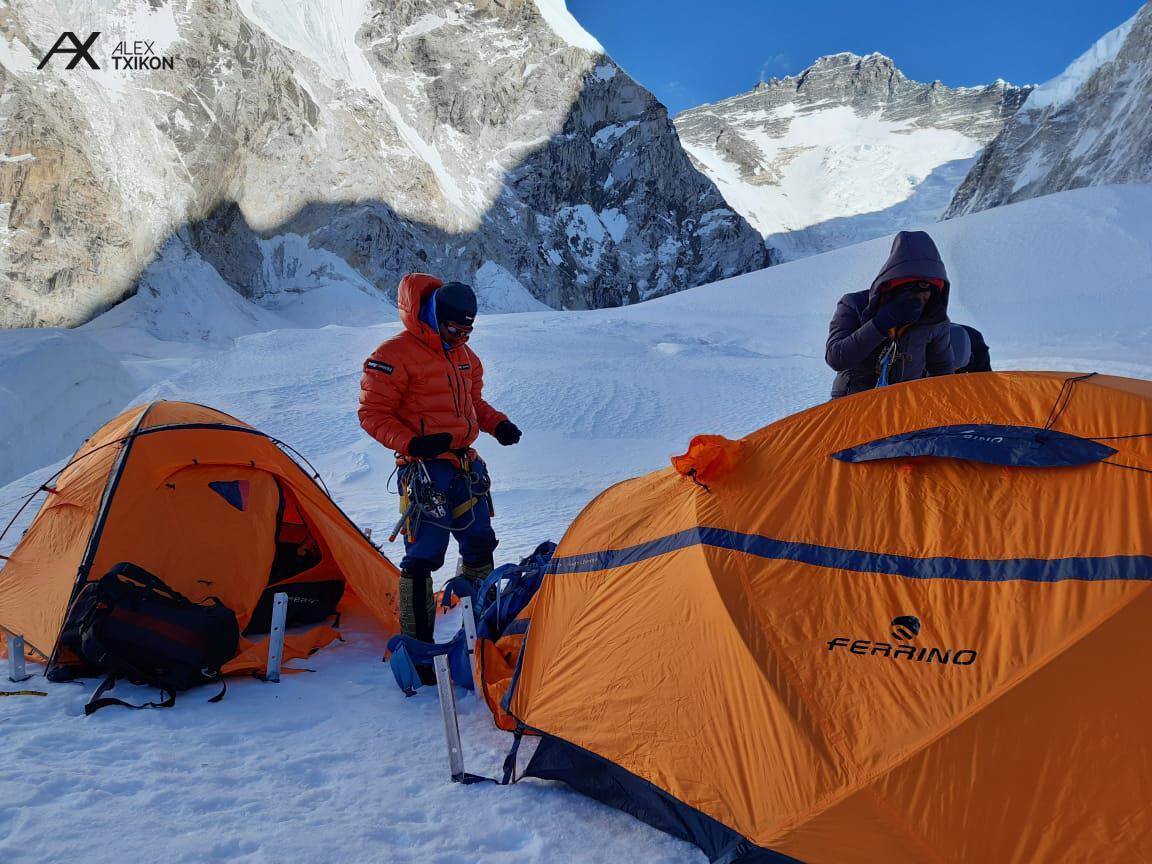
1088, 126
851, 72
296, 144
849, 149
847, 61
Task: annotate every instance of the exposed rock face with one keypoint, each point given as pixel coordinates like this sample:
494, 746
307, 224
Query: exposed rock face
849, 150
488, 140
1090, 126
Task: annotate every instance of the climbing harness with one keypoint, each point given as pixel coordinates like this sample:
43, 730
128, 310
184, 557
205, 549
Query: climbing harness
420, 499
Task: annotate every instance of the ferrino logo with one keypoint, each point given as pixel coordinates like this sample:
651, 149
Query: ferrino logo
970, 435
904, 629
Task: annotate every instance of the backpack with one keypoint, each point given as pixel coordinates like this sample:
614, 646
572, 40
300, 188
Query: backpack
140, 629
308, 603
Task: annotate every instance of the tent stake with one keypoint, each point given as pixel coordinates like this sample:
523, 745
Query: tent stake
451, 722
276, 636
470, 638
16, 670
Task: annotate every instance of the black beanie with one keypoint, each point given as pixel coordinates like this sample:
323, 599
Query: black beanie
456, 303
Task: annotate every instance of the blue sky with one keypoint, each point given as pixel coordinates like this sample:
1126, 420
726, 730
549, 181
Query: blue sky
689, 52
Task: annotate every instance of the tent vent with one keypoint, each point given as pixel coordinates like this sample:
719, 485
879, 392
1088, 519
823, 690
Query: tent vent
1018, 446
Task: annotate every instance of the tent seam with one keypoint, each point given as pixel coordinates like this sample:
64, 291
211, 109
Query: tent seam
888, 815
822, 718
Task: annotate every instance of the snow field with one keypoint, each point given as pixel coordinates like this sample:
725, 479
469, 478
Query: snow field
843, 177
337, 761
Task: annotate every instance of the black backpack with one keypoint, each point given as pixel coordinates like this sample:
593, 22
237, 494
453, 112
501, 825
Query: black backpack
308, 603
140, 629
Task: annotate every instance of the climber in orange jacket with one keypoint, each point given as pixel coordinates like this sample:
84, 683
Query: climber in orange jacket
421, 395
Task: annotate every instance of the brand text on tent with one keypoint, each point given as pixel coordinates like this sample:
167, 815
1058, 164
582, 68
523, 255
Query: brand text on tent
868, 648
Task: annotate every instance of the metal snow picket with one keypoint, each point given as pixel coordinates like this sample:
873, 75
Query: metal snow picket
470, 639
451, 722
16, 669
276, 637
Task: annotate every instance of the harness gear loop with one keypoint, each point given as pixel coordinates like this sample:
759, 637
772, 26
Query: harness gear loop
460, 509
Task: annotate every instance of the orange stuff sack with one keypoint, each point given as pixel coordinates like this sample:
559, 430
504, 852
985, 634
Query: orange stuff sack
709, 458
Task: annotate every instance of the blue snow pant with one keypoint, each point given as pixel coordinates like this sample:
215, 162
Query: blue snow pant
472, 529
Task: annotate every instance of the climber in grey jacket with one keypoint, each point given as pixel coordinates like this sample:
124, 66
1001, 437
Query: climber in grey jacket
901, 322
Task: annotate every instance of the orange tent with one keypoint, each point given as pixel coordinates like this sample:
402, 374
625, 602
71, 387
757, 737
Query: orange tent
200, 499
908, 625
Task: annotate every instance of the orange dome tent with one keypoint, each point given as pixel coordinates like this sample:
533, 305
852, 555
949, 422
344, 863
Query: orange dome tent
908, 625
200, 499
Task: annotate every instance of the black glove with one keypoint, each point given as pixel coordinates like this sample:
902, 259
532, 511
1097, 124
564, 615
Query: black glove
899, 311
507, 433
429, 446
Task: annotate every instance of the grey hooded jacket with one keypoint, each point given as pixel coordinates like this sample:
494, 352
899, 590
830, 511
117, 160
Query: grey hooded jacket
855, 342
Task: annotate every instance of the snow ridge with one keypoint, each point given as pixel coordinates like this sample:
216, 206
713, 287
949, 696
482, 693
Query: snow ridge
1088, 126
1063, 88
565, 25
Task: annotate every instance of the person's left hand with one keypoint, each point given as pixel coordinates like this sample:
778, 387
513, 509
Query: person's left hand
902, 310
507, 433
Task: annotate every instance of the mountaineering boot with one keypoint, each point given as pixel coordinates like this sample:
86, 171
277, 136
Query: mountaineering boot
476, 574
418, 614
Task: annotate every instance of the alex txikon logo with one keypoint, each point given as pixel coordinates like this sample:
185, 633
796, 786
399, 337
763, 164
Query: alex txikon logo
904, 629
139, 54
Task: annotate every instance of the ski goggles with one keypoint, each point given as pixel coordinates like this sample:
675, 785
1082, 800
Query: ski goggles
458, 330
903, 285
917, 287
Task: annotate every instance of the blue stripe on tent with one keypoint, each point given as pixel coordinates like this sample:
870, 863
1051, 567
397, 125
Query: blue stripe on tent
516, 627
1102, 569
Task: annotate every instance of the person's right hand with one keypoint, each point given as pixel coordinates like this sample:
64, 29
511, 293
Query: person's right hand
429, 446
901, 310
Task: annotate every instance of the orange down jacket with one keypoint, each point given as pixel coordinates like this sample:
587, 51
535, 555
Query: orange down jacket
413, 386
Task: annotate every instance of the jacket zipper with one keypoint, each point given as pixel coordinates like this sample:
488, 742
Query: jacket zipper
452, 387
460, 380
456, 385
467, 419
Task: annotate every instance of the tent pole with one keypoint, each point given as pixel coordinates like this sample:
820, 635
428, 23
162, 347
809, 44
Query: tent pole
276, 636
451, 722
16, 670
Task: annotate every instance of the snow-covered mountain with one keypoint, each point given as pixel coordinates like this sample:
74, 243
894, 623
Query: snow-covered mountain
301, 144
848, 150
1089, 126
